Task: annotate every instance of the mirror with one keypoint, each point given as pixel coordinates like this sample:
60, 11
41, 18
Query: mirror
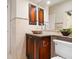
57, 13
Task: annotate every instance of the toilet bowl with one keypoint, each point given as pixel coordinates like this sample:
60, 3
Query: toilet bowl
57, 57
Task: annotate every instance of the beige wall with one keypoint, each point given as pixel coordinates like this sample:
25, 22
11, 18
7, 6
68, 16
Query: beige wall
11, 47
58, 16
8, 29
21, 29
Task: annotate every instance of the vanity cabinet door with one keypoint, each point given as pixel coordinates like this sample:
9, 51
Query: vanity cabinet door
30, 48
44, 50
38, 47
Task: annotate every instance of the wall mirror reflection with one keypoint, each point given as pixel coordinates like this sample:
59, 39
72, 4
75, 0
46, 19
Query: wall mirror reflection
57, 13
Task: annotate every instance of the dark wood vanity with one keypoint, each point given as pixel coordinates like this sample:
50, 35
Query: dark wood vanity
38, 46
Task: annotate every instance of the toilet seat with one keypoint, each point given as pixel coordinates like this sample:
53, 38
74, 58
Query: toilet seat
57, 57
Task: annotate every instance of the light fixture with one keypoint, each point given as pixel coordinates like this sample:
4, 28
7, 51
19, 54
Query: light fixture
48, 2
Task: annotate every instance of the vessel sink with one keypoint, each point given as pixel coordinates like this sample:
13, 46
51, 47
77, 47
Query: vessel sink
36, 32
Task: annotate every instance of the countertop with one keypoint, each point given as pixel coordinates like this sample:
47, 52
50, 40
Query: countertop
54, 35
49, 33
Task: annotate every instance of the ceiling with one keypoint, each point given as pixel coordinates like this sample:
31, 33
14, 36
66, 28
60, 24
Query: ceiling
43, 2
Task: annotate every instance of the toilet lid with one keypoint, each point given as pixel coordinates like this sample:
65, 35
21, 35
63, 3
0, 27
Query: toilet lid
57, 57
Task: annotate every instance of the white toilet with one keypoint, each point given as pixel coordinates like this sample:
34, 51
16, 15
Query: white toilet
57, 57
63, 48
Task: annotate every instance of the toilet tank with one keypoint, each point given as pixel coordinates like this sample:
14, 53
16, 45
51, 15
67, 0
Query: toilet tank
63, 49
